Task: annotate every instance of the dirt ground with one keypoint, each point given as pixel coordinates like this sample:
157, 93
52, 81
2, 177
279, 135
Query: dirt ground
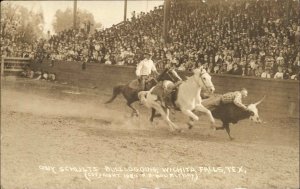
55, 136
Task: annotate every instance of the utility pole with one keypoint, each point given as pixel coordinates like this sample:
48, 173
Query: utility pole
167, 6
75, 14
125, 10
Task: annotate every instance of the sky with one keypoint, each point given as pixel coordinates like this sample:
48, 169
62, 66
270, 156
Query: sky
106, 12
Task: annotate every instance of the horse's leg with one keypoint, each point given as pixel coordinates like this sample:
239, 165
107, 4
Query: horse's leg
116, 91
190, 114
201, 108
134, 111
172, 125
192, 117
152, 114
154, 105
190, 123
164, 114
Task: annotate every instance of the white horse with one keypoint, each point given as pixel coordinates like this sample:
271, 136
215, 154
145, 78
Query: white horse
188, 98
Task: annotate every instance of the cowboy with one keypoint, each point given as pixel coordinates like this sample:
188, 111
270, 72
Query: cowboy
163, 90
144, 69
236, 98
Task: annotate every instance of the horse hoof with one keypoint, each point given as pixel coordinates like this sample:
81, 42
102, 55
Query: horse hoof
152, 123
172, 131
231, 138
213, 128
179, 130
176, 131
190, 126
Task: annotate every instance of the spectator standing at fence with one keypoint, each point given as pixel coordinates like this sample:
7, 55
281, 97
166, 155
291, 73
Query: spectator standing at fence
279, 73
236, 70
266, 74
297, 36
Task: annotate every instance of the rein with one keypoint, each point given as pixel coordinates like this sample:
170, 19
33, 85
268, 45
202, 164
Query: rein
202, 82
167, 71
170, 75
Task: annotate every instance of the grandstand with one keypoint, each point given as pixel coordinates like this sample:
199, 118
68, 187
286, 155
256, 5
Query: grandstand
58, 129
246, 38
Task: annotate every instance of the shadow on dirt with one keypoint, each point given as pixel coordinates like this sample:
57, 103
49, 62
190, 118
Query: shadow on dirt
107, 130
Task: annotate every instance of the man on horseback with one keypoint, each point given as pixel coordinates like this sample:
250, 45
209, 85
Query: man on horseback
144, 70
163, 90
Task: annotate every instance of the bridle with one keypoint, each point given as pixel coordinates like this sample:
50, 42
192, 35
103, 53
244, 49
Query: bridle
206, 87
170, 75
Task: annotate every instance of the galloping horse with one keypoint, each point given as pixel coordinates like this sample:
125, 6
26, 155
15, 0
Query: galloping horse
131, 89
186, 100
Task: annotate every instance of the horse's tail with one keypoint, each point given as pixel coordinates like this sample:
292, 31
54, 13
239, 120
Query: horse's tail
116, 91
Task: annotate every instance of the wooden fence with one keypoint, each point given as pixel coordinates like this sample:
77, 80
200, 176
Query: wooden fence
13, 64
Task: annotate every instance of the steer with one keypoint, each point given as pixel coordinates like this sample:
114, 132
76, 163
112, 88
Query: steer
230, 113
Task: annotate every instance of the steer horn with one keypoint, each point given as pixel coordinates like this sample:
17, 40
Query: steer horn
257, 103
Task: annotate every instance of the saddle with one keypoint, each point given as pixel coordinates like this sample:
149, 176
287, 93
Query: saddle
134, 84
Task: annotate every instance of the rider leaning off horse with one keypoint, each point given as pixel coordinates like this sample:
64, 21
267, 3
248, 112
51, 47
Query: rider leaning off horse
235, 98
164, 88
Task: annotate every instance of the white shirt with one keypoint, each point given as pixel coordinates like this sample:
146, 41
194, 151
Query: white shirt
253, 64
97, 47
278, 75
217, 57
145, 67
108, 62
265, 75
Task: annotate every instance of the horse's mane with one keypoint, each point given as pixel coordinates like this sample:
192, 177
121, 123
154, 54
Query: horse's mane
164, 72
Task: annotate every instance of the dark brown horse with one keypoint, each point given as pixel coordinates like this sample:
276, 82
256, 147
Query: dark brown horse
131, 89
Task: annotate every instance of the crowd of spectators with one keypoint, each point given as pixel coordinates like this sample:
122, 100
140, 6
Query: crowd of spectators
11, 43
247, 38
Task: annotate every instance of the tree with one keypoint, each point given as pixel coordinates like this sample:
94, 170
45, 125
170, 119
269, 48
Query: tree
64, 20
20, 24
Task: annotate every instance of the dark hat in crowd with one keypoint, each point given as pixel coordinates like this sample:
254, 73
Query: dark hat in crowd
147, 53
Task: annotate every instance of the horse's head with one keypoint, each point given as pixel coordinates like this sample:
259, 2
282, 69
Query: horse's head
169, 74
253, 108
203, 79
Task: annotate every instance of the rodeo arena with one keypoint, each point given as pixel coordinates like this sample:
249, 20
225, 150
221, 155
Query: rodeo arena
189, 94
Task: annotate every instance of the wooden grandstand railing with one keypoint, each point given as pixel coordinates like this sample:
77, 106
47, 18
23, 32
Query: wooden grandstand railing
13, 64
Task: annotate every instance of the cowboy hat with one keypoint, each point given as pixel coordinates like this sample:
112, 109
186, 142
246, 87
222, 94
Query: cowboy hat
147, 53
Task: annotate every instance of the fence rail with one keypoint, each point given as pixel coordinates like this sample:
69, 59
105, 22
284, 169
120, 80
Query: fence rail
282, 95
13, 64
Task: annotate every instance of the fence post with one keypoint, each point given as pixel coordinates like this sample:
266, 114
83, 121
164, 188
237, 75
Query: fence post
2, 67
